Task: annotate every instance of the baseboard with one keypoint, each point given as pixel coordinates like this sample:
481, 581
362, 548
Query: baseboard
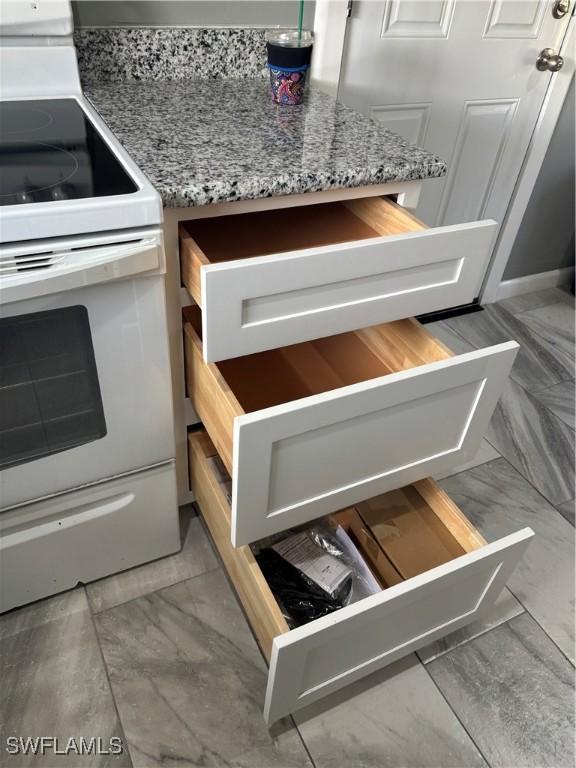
529, 283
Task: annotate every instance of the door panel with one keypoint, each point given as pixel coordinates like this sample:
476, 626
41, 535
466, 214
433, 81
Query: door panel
417, 18
484, 132
409, 120
470, 65
511, 19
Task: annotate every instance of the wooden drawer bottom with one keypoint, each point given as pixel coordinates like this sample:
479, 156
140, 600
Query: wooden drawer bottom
313, 660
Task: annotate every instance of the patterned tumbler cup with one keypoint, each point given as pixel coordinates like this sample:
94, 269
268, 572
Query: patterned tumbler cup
289, 55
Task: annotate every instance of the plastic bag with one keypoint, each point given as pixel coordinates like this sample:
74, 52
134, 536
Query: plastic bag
300, 599
333, 539
329, 573
320, 572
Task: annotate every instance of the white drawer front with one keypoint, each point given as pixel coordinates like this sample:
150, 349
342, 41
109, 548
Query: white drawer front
312, 661
306, 458
250, 305
51, 545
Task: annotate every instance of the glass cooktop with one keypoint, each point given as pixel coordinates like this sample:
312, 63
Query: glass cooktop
50, 151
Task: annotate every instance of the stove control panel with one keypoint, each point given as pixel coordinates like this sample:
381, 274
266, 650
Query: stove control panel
35, 18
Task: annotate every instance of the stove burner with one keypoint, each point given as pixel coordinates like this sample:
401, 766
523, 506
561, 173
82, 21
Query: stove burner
16, 120
51, 152
54, 167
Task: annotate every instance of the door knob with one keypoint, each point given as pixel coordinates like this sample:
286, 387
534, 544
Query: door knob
561, 8
548, 60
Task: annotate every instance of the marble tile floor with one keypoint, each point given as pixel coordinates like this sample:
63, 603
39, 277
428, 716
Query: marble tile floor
161, 657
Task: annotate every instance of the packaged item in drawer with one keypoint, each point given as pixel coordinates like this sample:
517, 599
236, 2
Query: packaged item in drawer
315, 571
299, 598
316, 562
334, 538
409, 532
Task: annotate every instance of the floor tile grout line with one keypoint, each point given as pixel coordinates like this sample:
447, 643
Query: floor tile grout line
496, 304
151, 592
480, 634
541, 306
549, 501
529, 612
446, 698
539, 492
460, 336
451, 708
301, 737
559, 301
547, 407
528, 393
539, 338
545, 389
530, 483
110, 687
221, 566
526, 609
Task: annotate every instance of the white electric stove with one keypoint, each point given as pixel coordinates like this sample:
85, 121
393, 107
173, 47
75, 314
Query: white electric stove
87, 479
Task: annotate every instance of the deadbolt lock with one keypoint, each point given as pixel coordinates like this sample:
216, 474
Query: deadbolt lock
561, 8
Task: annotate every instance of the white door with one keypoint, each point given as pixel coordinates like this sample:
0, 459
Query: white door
459, 78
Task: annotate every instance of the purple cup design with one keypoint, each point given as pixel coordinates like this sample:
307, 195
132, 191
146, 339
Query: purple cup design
287, 83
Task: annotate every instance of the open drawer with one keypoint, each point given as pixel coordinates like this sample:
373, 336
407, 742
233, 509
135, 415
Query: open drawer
313, 660
311, 428
278, 277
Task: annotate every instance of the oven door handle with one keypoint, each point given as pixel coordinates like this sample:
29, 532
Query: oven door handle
78, 268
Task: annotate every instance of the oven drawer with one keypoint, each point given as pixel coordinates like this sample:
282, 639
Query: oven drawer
278, 277
311, 428
313, 660
53, 544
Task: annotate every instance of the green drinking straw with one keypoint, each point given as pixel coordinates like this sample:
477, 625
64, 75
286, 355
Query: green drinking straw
300, 20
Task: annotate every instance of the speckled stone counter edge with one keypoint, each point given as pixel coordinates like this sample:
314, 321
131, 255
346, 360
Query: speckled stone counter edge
121, 54
186, 196
209, 141
131, 72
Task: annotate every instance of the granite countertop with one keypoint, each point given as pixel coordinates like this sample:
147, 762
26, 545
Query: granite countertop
202, 142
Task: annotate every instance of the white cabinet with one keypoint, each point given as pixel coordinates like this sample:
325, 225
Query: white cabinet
318, 658
273, 278
309, 429
319, 392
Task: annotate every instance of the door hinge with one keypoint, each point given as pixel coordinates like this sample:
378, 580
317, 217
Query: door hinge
349, 8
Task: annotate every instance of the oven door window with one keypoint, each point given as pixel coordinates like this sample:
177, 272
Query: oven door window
49, 392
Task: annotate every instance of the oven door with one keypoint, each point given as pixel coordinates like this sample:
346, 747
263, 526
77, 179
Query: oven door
84, 382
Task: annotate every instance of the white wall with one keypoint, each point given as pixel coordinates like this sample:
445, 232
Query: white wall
545, 240
209, 13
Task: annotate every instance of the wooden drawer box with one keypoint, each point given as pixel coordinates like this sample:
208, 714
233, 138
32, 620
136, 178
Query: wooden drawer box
272, 278
311, 428
313, 660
